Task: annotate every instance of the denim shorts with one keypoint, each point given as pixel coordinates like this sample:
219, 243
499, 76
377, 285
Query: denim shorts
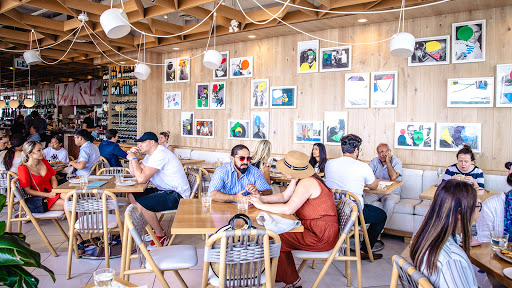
155, 200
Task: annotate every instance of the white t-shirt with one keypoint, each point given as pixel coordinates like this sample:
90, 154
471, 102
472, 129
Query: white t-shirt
53, 155
347, 173
170, 174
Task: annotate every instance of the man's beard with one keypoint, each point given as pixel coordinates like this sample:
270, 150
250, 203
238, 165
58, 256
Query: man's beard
241, 170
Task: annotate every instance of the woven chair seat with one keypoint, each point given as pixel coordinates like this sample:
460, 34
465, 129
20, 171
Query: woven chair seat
49, 214
214, 280
111, 222
313, 255
174, 257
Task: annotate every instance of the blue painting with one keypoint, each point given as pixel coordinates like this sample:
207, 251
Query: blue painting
284, 97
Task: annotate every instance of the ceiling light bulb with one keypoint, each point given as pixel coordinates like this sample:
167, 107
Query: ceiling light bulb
165, 16
252, 36
176, 48
362, 20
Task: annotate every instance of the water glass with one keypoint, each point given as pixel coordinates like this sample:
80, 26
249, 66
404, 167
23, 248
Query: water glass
104, 277
207, 201
499, 240
83, 180
119, 177
243, 204
439, 176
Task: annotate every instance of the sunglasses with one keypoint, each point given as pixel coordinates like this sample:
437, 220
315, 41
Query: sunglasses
242, 158
479, 206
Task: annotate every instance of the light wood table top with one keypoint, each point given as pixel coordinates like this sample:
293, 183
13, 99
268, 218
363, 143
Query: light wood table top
192, 218
191, 161
117, 279
209, 167
386, 190
486, 259
430, 192
110, 186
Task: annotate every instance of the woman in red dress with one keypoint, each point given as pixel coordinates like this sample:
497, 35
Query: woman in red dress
312, 202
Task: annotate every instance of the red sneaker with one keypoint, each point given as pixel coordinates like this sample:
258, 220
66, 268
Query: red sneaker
163, 240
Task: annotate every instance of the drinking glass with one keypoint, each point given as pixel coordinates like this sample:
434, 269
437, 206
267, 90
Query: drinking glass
104, 277
119, 177
83, 180
243, 204
499, 240
207, 201
219, 162
439, 176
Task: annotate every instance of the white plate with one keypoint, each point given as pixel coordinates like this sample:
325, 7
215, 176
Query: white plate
74, 181
498, 252
125, 183
508, 272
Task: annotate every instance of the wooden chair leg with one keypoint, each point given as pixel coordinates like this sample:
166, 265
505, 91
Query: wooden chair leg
313, 265
70, 254
161, 278
180, 279
20, 214
347, 263
322, 274
60, 229
394, 275
107, 248
365, 236
358, 261
171, 240
45, 239
302, 265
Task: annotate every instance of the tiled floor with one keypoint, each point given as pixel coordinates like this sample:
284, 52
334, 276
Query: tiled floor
376, 275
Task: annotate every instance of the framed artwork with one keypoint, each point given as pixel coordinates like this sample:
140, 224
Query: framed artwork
307, 131
414, 135
468, 41
259, 93
504, 85
384, 89
183, 69
283, 97
259, 125
187, 124
170, 71
205, 128
470, 92
307, 56
222, 71
239, 129
202, 93
357, 92
241, 67
335, 126
218, 95
172, 100
431, 51
336, 58
453, 136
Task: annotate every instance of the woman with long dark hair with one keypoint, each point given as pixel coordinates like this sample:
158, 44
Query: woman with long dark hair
318, 157
11, 158
435, 249
89, 153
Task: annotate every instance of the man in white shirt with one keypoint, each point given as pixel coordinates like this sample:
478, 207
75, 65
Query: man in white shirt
349, 174
164, 170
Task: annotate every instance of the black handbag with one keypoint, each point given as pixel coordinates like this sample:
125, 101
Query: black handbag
37, 204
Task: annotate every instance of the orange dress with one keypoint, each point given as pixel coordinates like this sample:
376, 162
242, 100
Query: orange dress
321, 232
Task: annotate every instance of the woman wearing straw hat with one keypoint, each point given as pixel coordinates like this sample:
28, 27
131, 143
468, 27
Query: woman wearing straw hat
312, 202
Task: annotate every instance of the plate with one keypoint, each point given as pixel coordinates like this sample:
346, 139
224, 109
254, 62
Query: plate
508, 272
125, 183
504, 257
74, 181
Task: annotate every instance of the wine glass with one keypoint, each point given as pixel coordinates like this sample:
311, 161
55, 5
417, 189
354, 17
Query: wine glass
439, 175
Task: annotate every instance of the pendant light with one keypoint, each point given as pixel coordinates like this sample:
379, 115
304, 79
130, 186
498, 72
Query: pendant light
212, 58
29, 102
114, 22
402, 43
32, 57
142, 70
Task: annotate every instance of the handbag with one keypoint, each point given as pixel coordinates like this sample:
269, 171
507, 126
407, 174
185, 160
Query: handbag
37, 204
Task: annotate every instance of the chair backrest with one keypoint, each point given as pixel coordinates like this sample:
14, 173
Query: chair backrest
243, 252
204, 177
194, 180
3, 182
71, 158
496, 182
113, 171
340, 194
347, 217
17, 191
89, 206
409, 276
136, 224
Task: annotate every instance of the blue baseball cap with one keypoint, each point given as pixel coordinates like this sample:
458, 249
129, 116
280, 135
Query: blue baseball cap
147, 136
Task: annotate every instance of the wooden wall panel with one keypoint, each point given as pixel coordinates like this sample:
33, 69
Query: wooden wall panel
421, 91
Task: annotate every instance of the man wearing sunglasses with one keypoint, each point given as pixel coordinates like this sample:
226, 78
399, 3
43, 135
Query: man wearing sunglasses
237, 178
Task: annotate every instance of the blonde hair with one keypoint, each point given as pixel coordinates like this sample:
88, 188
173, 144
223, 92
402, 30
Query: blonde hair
262, 153
28, 147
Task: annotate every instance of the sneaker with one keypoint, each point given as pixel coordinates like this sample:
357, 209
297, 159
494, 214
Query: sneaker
164, 241
147, 237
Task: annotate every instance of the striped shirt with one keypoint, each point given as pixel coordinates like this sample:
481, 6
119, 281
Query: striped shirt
453, 268
492, 217
225, 179
476, 173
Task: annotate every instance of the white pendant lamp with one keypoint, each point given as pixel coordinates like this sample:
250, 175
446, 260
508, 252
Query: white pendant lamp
402, 45
115, 23
142, 71
29, 103
212, 59
2, 103
14, 104
32, 57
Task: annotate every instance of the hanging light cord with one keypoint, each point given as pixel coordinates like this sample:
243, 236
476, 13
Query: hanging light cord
45, 47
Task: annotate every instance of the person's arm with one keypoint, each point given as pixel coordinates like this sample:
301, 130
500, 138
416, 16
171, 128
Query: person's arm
260, 185
65, 156
54, 182
392, 173
142, 174
119, 152
26, 181
282, 197
369, 178
492, 208
219, 196
80, 165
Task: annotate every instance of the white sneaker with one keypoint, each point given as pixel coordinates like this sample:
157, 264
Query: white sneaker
147, 237
164, 241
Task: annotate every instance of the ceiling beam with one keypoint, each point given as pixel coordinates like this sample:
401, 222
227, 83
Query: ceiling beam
185, 4
164, 3
231, 13
55, 6
202, 13
326, 3
140, 7
305, 3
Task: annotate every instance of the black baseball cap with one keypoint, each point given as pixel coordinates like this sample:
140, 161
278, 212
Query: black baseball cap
147, 136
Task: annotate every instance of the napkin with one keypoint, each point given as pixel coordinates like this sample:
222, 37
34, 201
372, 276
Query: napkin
276, 223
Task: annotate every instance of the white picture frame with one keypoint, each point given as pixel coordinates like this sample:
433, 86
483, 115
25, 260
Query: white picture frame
223, 71
304, 49
470, 92
183, 69
308, 132
260, 127
384, 89
239, 129
504, 85
414, 135
283, 97
172, 100
201, 130
465, 48
188, 123
357, 90
241, 67
453, 136
217, 94
335, 59
260, 91
431, 51
202, 96
170, 71
335, 126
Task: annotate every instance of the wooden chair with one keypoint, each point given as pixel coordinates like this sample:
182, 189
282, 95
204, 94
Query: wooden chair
71, 158
17, 197
242, 252
121, 197
159, 260
4, 182
408, 275
103, 163
363, 230
347, 216
204, 177
90, 214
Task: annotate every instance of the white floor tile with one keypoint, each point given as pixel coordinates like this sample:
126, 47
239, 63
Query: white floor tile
61, 281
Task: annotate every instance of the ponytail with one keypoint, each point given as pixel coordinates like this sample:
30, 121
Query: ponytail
28, 147
16, 141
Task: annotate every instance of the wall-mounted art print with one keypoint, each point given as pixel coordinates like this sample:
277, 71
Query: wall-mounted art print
240, 67
183, 69
468, 41
172, 100
357, 92
307, 56
384, 89
218, 95
335, 125
453, 136
504, 85
187, 124
283, 97
414, 135
431, 51
202, 94
260, 125
170, 71
222, 71
470, 92
259, 93
307, 131
239, 129
336, 58
205, 128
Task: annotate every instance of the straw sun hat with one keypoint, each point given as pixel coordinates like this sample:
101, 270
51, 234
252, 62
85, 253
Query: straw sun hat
296, 164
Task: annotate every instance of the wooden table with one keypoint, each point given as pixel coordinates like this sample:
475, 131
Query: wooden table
486, 259
191, 161
110, 186
192, 218
386, 190
430, 192
280, 177
209, 167
117, 279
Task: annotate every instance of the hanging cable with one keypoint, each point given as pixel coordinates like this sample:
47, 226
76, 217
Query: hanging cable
67, 51
268, 20
45, 47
